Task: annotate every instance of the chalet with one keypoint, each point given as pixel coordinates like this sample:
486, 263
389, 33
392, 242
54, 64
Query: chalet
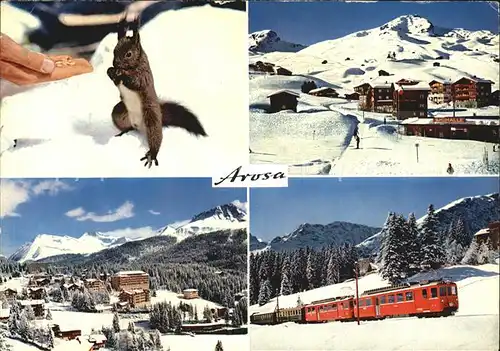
440, 92
37, 306
352, 96
382, 96
66, 332
471, 92
4, 314
42, 281
325, 92
283, 100
73, 287
495, 98
410, 99
190, 293
282, 71
453, 128
383, 73
489, 235
36, 293
94, 285
436, 64
219, 312
365, 96
9, 294
136, 298
98, 340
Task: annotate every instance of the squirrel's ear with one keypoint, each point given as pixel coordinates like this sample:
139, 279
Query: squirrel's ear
135, 27
122, 29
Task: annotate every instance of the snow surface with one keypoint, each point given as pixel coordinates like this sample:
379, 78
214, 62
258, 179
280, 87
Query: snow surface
474, 327
64, 128
319, 138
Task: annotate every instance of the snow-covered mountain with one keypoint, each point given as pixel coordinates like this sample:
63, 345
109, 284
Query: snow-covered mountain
268, 41
319, 235
417, 43
227, 216
477, 212
46, 245
256, 243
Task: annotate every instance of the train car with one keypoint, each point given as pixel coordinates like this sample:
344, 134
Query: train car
292, 314
424, 299
340, 308
263, 318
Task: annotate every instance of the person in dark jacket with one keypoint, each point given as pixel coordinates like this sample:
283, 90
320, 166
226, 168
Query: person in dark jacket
357, 141
450, 169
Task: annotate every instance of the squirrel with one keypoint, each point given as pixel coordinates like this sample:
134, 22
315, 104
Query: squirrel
139, 108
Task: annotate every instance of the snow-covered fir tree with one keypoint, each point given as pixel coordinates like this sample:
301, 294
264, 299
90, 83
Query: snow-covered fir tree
485, 253
472, 254
265, 293
131, 327
394, 264
311, 271
116, 323
286, 284
50, 337
30, 314
218, 346
383, 234
433, 253
414, 248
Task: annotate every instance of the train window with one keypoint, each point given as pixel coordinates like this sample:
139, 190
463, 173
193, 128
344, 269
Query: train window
344, 305
361, 303
442, 291
391, 298
335, 307
449, 291
424, 293
409, 296
368, 302
453, 290
399, 297
382, 300
434, 292
351, 304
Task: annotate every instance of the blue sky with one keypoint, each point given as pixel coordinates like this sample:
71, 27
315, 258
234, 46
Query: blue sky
72, 207
311, 22
278, 211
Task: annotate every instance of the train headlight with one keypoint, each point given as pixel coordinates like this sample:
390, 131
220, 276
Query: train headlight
451, 304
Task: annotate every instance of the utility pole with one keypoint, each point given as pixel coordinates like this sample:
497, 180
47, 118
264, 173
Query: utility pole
453, 98
357, 295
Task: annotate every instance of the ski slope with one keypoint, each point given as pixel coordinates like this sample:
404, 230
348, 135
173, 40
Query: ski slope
64, 128
474, 327
318, 139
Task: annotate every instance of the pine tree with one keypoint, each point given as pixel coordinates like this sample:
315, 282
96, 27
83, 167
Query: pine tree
30, 314
414, 245
116, 323
24, 326
395, 263
14, 318
485, 254
286, 285
218, 347
472, 254
311, 271
131, 327
432, 251
50, 338
383, 239
265, 293
207, 314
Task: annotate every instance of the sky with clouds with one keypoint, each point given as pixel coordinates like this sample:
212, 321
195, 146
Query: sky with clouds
118, 207
279, 211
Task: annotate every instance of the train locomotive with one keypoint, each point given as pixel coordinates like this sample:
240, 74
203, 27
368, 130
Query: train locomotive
423, 299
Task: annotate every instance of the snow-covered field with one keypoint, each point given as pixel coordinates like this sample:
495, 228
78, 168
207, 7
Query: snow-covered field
318, 139
474, 327
64, 128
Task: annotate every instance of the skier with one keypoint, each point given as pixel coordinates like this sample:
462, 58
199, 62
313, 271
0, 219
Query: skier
450, 169
384, 120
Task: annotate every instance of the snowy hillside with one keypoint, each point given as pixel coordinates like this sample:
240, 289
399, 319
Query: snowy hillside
268, 41
474, 327
477, 212
318, 235
67, 124
356, 58
318, 139
227, 216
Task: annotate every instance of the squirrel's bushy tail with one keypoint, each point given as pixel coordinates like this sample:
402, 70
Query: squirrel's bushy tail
176, 115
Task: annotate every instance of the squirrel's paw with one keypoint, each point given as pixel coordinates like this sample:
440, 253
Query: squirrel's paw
149, 160
113, 74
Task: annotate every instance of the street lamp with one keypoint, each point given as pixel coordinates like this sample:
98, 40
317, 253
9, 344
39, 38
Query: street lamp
416, 148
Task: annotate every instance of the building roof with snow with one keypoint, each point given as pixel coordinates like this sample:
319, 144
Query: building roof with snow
418, 86
284, 91
483, 231
190, 290
31, 302
130, 272
317, 90
97, 338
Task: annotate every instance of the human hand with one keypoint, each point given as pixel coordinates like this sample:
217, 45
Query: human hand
24, 67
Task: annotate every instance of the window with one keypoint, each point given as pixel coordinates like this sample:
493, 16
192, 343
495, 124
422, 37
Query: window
380, 97
409, 296
368, 302
424, 293
453, 290
382, 300
400, 297
421, 105
387, 97
334, 307
344, 305
434, 292
422, 96
361, 303
442, 291
391, 298
422, 114
351, 304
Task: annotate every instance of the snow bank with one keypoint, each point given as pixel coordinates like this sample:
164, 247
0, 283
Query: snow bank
65, 129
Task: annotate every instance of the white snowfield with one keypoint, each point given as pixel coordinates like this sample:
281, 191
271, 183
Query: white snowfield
64, 128
319, 138
474, 327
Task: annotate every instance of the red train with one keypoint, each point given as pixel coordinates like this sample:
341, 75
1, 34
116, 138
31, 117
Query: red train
424, 299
